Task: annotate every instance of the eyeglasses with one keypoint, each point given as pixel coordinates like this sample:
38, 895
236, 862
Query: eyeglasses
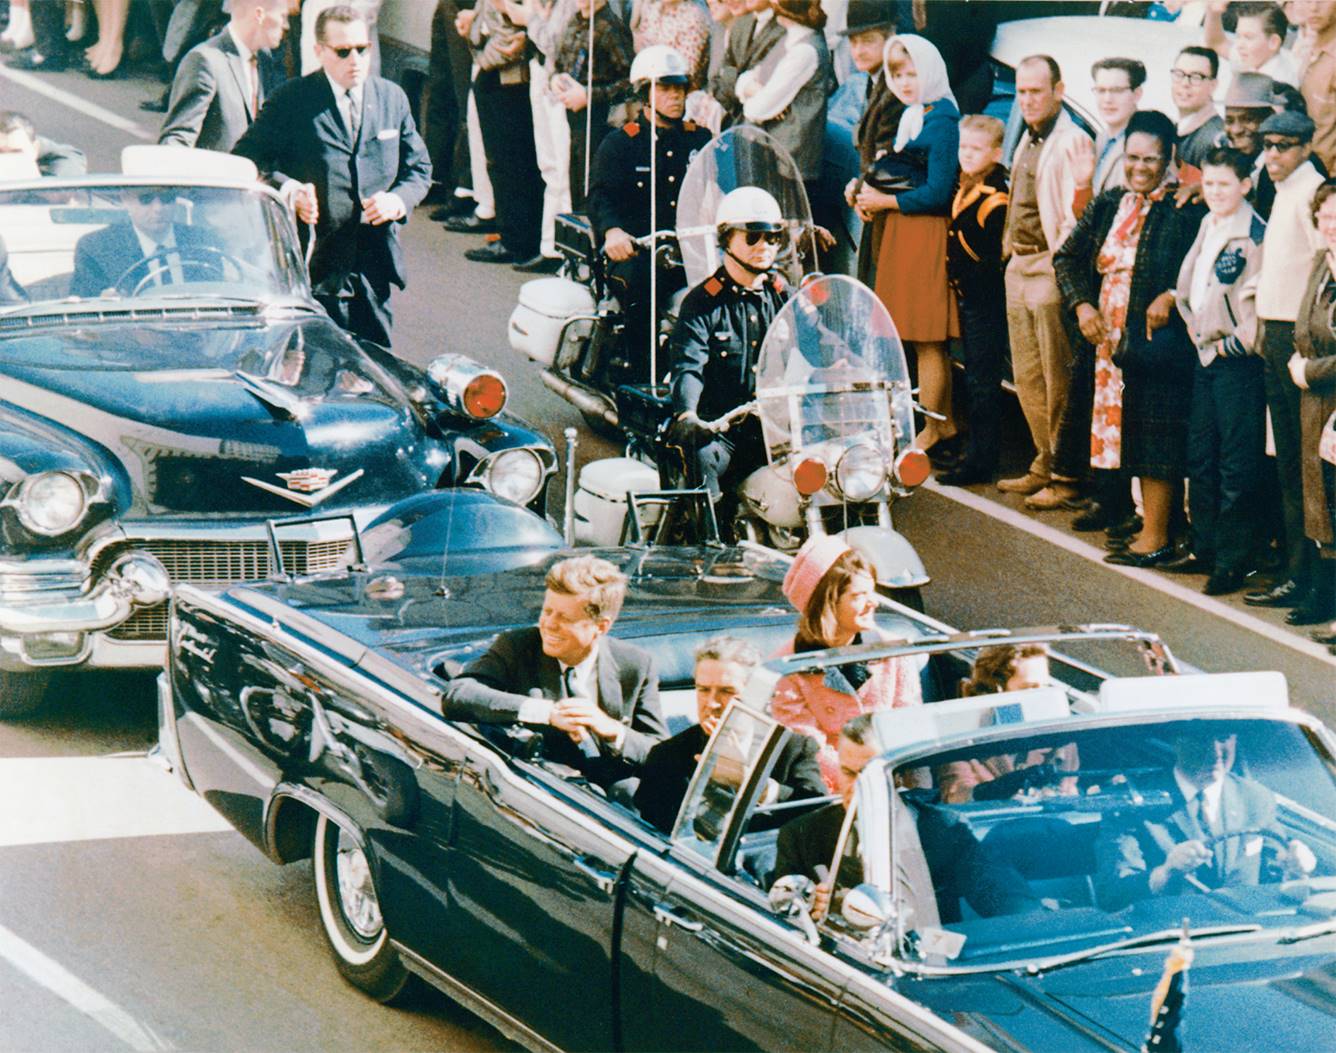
147, 197
770, 237
1178, 76
344, 52
1280, 145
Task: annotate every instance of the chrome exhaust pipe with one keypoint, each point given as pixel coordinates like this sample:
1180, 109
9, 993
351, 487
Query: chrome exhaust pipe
568, 515
579, 397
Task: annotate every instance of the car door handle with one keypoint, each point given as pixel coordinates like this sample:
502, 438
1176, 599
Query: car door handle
668, 916
604, 880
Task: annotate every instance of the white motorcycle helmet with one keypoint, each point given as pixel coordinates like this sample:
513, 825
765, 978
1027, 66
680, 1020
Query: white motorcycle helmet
747, 208
659, 63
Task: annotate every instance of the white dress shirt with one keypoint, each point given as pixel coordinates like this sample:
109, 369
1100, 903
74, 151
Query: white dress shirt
148, 247
1208, 800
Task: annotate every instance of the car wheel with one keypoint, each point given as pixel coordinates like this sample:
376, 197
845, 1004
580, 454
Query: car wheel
22, 694
345, 892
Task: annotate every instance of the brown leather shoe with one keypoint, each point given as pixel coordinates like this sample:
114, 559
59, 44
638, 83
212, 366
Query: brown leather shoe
1054, 496
1029, 483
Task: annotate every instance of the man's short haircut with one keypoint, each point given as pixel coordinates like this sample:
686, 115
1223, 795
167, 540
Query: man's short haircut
1228, 157
1200, 52
981, 122
1156, 124
12, 121
728, 649
1272, 17
860, 731
601, 584
1135, 69
1054, 70
344, 13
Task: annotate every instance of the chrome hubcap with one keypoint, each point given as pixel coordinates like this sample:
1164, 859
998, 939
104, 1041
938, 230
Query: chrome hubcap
357, 895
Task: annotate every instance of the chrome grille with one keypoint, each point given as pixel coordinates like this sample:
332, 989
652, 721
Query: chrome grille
205, 562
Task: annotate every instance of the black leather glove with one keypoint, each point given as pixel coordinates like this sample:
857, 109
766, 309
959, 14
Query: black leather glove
689, 431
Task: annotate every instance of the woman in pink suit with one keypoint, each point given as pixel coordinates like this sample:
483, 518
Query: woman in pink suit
833, 589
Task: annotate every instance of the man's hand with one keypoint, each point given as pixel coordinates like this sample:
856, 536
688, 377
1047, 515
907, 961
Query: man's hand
689, 431
1298, 862
850, 188
573, 95
464, 21
1157, 314
870, 201
515, 46
304, 203
821, 900
1189, 194
382, 208
575, 715
1081, 158
1091, 323
1296, 368
619, 245
1182, 858
825, 240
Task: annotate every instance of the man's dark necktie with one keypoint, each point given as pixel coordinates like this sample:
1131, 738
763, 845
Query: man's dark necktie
354, 117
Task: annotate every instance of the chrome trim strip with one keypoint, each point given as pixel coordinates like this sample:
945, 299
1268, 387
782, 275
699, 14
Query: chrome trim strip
292, 791
168, 738
105, 606
474, 1002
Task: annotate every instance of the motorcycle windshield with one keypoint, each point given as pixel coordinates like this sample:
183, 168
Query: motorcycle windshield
832, 375
741, 156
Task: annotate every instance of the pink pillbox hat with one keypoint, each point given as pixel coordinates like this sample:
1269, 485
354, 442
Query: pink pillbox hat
809, 566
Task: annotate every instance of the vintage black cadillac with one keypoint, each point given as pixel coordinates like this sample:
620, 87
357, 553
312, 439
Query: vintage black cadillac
167, 386
307, 712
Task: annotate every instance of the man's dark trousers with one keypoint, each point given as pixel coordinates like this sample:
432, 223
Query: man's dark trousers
1226, 457
1282, 399
505, 117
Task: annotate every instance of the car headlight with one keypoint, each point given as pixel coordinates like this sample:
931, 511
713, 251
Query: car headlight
860, 473
515, 475
51, 503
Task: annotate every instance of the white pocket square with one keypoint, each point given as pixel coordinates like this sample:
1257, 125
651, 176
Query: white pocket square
388, 133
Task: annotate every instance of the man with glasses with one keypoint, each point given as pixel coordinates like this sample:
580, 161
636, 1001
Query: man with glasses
342, 147
1099, 166
105, 257
716, 343
723, 667
1287, 254
1192, 85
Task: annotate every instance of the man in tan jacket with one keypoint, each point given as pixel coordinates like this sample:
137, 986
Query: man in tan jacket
1043, 189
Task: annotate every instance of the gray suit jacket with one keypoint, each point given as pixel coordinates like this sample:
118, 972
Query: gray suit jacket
103, 257
210, 103
494, 686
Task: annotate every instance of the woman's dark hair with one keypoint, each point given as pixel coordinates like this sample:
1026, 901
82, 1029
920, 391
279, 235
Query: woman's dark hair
995, 665
1323, 192
1227, 157
816, 623
1156, 125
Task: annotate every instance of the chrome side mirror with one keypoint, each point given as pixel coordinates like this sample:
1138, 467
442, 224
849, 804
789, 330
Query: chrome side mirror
791, 896
866, 907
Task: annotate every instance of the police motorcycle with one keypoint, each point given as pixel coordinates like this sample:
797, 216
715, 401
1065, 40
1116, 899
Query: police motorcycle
576, 325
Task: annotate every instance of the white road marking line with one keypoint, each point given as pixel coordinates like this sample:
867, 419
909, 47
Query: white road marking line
50, 974
65, 98
57, 799
1154, 580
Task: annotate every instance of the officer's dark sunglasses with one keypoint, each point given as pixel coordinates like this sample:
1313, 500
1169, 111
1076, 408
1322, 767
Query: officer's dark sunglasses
147, 197
343, 53
770, 237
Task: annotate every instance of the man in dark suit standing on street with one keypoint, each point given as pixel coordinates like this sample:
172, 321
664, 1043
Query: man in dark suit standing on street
341, 146
594, 699
222, 83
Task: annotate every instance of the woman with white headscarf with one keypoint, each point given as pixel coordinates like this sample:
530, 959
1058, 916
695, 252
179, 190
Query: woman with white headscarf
911, 184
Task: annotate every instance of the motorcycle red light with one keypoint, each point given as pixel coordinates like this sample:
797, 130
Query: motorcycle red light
485, 396
912, 467
809, 476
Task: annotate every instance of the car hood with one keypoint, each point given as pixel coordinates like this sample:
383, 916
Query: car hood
194, 411
1247, 997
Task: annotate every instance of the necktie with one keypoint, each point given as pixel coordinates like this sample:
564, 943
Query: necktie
568, 682
254, 86
586, 744
354, 116
168, 267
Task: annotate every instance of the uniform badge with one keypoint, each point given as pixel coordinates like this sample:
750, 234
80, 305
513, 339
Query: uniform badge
713, 286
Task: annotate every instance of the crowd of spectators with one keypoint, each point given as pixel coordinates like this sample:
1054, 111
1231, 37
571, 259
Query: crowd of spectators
1163, 284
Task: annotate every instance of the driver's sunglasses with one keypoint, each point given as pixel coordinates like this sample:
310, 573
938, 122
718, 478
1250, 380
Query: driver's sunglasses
344, 52
147, 197
770, 237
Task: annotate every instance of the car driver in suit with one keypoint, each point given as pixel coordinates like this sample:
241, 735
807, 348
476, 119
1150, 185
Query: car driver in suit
342, 147
222, 83
594, 699
1213, 838
723, 667
111, 256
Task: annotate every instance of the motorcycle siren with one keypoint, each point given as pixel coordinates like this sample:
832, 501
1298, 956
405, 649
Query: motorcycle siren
659, 63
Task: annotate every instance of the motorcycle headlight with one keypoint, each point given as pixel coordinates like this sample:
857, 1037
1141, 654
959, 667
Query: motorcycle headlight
51, 503
860, 473
515, 475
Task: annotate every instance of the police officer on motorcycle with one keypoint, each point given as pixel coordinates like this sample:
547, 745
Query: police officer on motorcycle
619, 192
716, 343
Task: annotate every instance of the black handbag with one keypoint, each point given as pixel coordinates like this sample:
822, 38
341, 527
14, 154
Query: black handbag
894, 173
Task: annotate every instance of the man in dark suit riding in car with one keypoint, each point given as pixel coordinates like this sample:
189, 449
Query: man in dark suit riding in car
594, 699
170, 253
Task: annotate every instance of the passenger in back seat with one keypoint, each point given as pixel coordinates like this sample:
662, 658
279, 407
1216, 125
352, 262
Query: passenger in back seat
724, 664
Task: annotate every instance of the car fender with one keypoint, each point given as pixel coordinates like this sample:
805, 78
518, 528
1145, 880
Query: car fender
896, 562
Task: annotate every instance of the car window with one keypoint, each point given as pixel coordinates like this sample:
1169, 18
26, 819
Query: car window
139, 242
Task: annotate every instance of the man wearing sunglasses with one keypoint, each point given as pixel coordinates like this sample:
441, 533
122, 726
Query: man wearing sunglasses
104, 257
342, 147
716, 344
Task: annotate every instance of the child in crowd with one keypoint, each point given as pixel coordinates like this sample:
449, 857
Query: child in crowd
1227, 438
974, 268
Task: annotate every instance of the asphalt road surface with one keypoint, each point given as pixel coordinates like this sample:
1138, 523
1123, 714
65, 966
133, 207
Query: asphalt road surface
130, 916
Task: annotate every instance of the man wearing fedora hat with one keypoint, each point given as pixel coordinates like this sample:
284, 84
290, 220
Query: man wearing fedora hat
1249, 102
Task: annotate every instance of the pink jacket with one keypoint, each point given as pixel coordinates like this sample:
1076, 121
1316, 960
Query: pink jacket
805, 703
